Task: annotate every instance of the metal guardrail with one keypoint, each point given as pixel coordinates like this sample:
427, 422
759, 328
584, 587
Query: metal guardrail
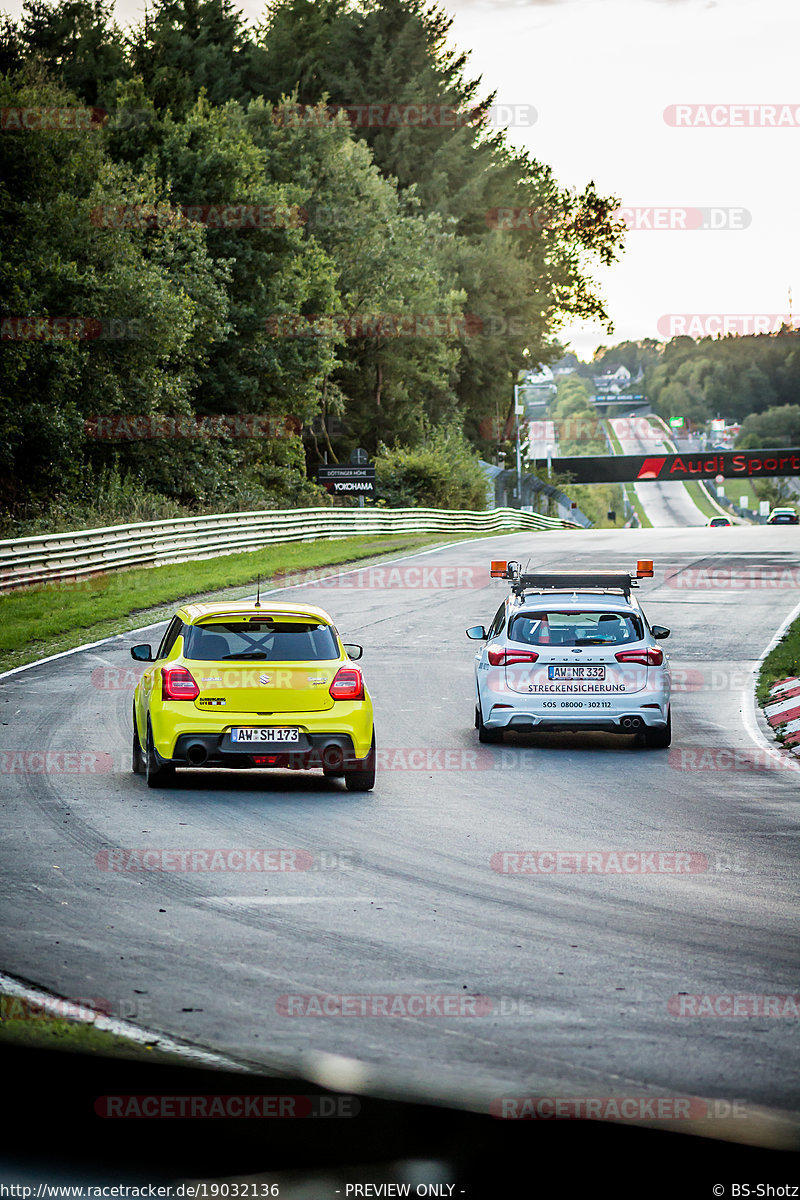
747, 514
505, 481
25, 562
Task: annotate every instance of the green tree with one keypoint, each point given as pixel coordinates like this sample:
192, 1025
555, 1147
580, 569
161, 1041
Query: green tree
389, 261
518, 284
778, 426
75, 41
442, 471
185, 47
212, 159
140, 292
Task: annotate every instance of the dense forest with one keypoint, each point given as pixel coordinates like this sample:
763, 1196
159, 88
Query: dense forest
228, 251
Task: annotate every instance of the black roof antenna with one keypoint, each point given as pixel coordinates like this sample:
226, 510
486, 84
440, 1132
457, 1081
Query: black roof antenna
258, 593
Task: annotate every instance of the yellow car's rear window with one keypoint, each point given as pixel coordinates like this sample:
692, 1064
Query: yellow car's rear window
264, 641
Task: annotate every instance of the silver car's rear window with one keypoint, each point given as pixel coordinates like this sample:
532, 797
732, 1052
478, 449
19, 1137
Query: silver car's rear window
550, 627
260, 641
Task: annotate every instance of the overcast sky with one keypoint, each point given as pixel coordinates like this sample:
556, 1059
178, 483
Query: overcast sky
600, 75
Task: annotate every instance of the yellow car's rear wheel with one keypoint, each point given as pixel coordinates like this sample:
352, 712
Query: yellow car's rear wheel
137, 759
362, 779
158, 774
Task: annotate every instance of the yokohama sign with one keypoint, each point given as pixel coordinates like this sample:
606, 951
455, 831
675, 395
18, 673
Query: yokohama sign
731, 464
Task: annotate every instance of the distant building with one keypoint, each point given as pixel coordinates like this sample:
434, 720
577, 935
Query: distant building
542, 377
613, 380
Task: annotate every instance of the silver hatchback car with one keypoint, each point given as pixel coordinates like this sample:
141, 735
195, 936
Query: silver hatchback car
570, 651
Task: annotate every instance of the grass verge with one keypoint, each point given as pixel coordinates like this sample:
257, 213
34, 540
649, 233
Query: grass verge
701, 500
637, 506
36, 622
781, 663
596, 500
24, 1023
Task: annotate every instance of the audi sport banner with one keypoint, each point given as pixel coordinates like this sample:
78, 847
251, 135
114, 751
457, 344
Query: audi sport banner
731, 464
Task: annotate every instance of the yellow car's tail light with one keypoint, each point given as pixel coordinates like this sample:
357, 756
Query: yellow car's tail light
177, 684
347, 684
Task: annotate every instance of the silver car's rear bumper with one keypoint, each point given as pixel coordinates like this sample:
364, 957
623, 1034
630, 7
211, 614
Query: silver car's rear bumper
630, 721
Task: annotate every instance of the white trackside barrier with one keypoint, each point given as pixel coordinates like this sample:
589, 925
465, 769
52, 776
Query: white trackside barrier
63, 556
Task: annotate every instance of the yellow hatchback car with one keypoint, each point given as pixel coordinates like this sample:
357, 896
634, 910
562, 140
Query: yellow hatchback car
253, 685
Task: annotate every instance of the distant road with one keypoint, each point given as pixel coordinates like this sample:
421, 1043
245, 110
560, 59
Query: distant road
542, 434
664, 503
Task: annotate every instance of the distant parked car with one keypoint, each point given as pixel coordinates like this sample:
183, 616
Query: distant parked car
783, 516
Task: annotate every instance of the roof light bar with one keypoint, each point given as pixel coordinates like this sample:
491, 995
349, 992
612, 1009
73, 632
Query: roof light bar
571, 581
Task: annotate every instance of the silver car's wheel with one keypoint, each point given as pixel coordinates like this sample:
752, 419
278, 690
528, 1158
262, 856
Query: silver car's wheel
659, 737
490, 736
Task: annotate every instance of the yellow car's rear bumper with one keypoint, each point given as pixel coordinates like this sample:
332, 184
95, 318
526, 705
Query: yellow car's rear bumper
171, 720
